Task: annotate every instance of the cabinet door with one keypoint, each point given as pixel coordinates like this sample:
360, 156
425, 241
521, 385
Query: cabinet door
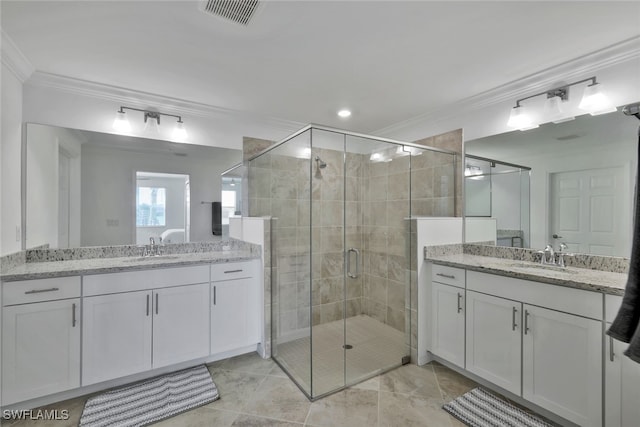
622, 386
40, 349
180, 324
235, 315
562, 364
494, 340
447, 338
116, 336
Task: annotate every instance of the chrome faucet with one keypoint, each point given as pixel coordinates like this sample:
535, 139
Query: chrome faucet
548, 255
152, 248
561, 253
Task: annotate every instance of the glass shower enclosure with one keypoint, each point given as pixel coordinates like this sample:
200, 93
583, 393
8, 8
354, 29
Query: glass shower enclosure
341, 249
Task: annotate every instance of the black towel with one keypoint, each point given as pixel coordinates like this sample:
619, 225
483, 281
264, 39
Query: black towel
626, 326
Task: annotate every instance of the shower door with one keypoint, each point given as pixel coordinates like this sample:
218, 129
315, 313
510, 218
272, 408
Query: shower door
376, 233
360, 202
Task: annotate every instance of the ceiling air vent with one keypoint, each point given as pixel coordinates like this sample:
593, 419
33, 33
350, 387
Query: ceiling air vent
238, 11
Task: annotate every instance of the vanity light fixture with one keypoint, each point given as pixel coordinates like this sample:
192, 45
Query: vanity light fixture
594, 101
151, 120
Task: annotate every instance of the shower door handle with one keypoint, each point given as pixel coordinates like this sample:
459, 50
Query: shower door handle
349, 273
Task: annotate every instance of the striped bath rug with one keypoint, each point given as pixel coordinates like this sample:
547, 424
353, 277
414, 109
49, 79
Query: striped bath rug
480, 408
152, 400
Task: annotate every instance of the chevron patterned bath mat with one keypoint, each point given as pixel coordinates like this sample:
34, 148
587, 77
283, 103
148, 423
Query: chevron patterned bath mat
480, 408
150, 401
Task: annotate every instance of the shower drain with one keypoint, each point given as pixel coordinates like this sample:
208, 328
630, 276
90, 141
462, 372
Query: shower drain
347, 346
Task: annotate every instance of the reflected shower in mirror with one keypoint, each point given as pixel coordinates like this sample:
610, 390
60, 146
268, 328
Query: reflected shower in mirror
581, 180
86, 188
496, 202
233, 194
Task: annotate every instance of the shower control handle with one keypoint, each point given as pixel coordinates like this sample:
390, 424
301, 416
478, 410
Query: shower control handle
357, 273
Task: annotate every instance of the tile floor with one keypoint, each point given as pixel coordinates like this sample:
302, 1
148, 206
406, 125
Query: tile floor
255, 392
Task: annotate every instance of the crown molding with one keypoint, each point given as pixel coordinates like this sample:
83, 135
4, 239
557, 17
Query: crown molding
14, 59
589, 64
145, 100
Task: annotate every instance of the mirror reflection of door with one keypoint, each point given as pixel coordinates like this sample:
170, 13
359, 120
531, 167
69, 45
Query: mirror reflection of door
162, 208
587, 208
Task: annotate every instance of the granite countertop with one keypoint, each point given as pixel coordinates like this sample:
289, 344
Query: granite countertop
43, 270
579, 278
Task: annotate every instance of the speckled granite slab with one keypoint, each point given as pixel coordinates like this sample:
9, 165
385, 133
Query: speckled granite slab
522, 268
43, 270
11, 261
592, 262
48, 255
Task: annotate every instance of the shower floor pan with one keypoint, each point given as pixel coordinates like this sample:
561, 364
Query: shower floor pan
376, 347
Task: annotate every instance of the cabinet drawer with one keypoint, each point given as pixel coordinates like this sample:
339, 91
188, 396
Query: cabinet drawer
448, 275
113, 283
28, 291
130, 281
178, 276
560, 298
234, 270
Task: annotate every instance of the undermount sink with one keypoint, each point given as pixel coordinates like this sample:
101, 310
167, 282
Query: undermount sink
548, 267
152, 258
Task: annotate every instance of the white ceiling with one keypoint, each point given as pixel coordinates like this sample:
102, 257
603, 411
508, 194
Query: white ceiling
387, 61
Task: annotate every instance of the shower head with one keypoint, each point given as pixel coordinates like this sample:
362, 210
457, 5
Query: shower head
320, 163
632, 110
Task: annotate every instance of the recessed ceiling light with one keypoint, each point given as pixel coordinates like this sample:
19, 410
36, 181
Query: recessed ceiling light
344, 113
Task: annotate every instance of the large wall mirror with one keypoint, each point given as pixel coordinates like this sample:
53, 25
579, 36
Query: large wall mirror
582, 176
87, 188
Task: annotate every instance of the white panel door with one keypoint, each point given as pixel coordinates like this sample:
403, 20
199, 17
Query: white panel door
116, 336
622, 386
494, 340
588, 209
562, 364
447, 311
40, 349
234, 315
180, 324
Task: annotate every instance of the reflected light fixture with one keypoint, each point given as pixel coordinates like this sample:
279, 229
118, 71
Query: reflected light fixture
594, 101
152, 122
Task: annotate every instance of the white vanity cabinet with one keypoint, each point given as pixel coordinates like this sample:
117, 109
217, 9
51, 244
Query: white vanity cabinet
235, 306
541, 342
40, 338
136, 321
622, 376
448, 314
562, 364
180, 324
117, 336
494, 342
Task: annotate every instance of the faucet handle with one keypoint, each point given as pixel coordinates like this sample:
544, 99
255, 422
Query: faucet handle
152, 240
563, 247
542, 256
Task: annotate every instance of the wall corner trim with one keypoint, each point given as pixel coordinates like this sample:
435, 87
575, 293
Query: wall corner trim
14, 59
